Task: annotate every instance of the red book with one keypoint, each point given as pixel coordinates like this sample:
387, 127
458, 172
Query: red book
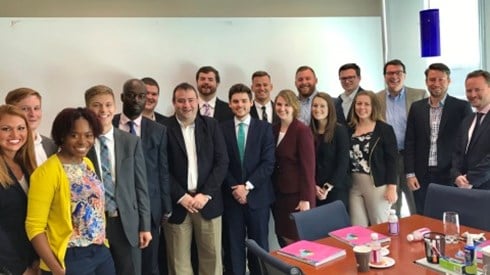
312, 253
358, 235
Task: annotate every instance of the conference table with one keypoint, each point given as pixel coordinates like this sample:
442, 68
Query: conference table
403, 251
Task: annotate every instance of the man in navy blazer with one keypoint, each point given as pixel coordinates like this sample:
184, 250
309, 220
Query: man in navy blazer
247, 189
154, 140
350, 77
198, 162
208, 79
152, 95
430, 137
471, 160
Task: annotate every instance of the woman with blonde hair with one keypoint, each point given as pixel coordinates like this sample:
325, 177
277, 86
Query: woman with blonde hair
294, 173
373, 154
17, 162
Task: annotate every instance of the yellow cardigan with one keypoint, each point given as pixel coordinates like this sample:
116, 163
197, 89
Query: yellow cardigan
48, 207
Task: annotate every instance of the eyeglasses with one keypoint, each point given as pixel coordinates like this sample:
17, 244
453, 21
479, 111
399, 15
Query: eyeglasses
348, 78
397, 73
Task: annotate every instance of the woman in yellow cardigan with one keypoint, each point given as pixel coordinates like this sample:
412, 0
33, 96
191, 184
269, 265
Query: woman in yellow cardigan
65, 214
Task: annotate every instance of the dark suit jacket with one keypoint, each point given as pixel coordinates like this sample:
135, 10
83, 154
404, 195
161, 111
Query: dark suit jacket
295, 162
383, 153
417, 137
332, 160
254, 113
474, 163
154, 142
48, 145
16, 252
258, 162
161, 118
131, 192
212, 163
222, 111
340, 113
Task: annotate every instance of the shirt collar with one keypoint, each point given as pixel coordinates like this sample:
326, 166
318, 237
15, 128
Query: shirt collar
38, 139
308, 99
344, 96
399, 95
485, 109
211, 102
441, 103
258, 105
109, 135
125, 120
192, 125
245, 121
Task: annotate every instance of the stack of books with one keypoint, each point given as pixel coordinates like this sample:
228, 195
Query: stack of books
312, 253
358, 235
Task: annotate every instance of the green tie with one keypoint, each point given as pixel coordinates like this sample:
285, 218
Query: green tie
241, 140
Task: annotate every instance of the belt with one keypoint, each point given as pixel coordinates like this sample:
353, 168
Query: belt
112, 214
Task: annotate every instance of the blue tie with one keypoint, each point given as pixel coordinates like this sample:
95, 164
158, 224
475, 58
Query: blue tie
241, 140
132, 131
105, 162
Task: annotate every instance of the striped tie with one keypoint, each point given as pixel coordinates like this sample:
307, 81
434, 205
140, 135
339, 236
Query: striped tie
105, 162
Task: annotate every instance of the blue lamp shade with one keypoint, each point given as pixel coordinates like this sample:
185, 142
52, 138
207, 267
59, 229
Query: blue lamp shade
430, 36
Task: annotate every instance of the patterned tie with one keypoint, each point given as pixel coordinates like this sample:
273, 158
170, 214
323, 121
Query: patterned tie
105, 162
207, 109
132, 131
241, 140
264, 114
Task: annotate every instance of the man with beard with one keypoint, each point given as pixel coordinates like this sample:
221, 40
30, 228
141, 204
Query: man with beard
349, 76
263, 106
430, 138
152, 94
210, 105
305, 82
154, 141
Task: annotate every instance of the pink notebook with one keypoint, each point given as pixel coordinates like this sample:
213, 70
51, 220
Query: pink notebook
357, 235
311, 253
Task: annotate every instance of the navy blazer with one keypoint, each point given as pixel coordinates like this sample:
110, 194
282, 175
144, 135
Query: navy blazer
340, 113
474, 163
383, 153
258, 162
222, 111
212, 163
417, 136
16, 251
154, 141
161, 118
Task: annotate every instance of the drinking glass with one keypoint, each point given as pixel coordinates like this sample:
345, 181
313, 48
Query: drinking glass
451, 226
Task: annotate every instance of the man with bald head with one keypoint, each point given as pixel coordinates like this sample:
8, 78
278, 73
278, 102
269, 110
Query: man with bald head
154, 140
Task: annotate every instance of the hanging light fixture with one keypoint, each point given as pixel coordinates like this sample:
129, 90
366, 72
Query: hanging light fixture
430, 36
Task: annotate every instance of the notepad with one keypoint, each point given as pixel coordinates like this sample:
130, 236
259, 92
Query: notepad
312, 253
358, 235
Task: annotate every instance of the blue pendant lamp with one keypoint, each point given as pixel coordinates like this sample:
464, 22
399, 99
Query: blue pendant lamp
430, 36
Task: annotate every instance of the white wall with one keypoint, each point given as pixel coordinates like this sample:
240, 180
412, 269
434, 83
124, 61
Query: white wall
62, 57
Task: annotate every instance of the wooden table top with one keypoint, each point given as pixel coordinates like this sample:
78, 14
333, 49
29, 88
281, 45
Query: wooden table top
403, 251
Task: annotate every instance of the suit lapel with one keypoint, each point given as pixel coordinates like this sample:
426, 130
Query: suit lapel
117, 152
175, 130
382, 101
484, 124
446, 109
426, 120
92, 155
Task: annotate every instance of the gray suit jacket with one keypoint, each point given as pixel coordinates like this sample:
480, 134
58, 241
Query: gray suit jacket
411, 96
48, 145
131, 190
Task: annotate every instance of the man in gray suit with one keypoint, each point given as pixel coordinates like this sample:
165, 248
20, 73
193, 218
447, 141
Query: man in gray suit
123, 173
396, 100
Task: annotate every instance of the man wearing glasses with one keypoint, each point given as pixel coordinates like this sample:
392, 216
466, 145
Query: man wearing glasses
349, 76
395, 102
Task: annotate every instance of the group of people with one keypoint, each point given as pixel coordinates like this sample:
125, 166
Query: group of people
142, 193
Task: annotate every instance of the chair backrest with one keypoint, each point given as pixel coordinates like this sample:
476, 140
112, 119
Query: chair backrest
269, 264
316, 223
471, 204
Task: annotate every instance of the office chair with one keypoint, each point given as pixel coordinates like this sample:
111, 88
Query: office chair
269, 264
470, 204
317, 222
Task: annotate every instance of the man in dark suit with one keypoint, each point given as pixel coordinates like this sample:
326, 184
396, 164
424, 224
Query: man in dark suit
128, 225
154, 140
247, 189
430, 137
198, 162
305, 81
395, 102
210, 105
152, 94
471, 161
349, 76
263, 106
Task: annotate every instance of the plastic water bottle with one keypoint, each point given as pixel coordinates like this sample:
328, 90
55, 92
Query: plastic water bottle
417, 235
393, 224
375, 248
